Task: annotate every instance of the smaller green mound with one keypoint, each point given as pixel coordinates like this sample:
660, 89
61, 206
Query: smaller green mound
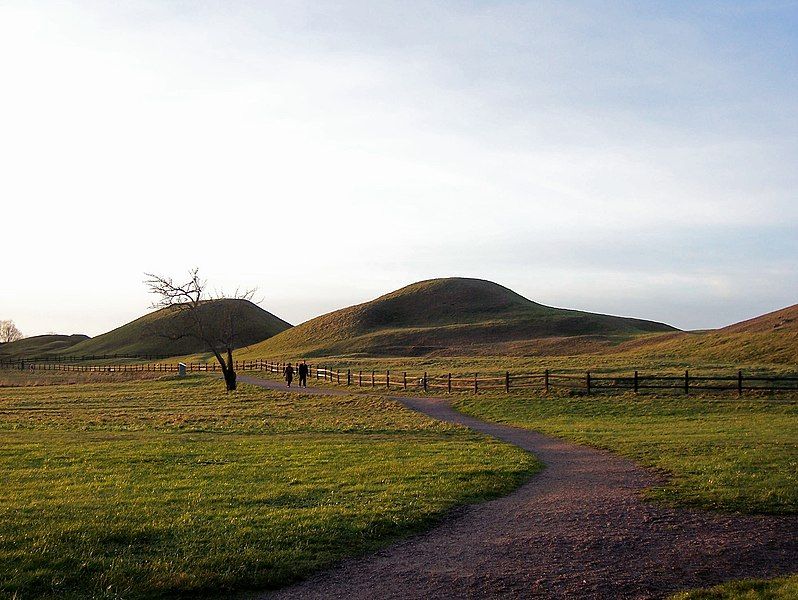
454, 316
151, 335
40, 345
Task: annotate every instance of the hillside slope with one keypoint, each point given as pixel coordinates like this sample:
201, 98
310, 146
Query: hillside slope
39, 345
769, 338
452, 316
141, 337
783, 320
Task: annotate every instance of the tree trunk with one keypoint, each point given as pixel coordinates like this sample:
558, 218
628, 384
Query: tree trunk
227, 369
229, 373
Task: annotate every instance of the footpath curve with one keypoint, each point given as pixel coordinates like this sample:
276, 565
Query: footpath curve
578, 529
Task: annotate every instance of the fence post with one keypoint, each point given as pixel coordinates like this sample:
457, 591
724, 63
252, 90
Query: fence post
687, 382
388, 379
739, 383
449, 384
372, 379
425, 381
507, 382
360, 379
476, 388
349, 377
546, 380
404, 379
587, 381
636, 382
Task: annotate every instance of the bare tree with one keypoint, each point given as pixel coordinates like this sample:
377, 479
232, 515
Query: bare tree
9, 332
217, 329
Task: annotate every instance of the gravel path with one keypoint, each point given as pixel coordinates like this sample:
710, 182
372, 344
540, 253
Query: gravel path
577, 530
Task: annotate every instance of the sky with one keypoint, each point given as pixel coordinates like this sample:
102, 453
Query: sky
631, 158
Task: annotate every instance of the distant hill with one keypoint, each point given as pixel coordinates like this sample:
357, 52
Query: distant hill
769, 338
38, 345
140, 337
453, 316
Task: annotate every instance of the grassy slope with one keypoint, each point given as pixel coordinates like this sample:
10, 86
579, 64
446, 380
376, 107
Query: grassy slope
772, 337
723, 453
38, 345
174, 488
782, 588
456, 315
138, 337
767, 344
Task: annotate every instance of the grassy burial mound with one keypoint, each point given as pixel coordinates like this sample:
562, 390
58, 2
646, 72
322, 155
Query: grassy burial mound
771, 338
39, 345
454, 316
144, 336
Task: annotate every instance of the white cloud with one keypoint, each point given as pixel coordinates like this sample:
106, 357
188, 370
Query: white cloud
329, 154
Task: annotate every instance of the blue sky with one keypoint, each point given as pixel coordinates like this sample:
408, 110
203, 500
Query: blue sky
629, 158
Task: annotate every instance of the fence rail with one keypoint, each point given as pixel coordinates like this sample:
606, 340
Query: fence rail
587, 383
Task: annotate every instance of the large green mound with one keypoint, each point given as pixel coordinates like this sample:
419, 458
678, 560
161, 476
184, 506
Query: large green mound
452, 316
769, 338
40, 345
145, 336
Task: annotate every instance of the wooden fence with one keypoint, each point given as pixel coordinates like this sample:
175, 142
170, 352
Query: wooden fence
586, 383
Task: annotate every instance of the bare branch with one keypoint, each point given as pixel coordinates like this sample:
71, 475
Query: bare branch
211, 319
171, 294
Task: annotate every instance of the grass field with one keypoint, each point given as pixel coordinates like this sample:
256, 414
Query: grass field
721, 452
173, 488
17, 378
498, 365
783, 588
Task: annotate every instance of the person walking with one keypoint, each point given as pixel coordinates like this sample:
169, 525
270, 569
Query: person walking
288, 373
303, 374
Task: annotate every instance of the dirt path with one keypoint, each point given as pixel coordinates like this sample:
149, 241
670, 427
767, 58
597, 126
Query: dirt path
576, 530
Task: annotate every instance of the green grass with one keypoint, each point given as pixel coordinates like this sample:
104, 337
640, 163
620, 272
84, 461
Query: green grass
722, 453
784, 588
171, 488
497, 365
18, 378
